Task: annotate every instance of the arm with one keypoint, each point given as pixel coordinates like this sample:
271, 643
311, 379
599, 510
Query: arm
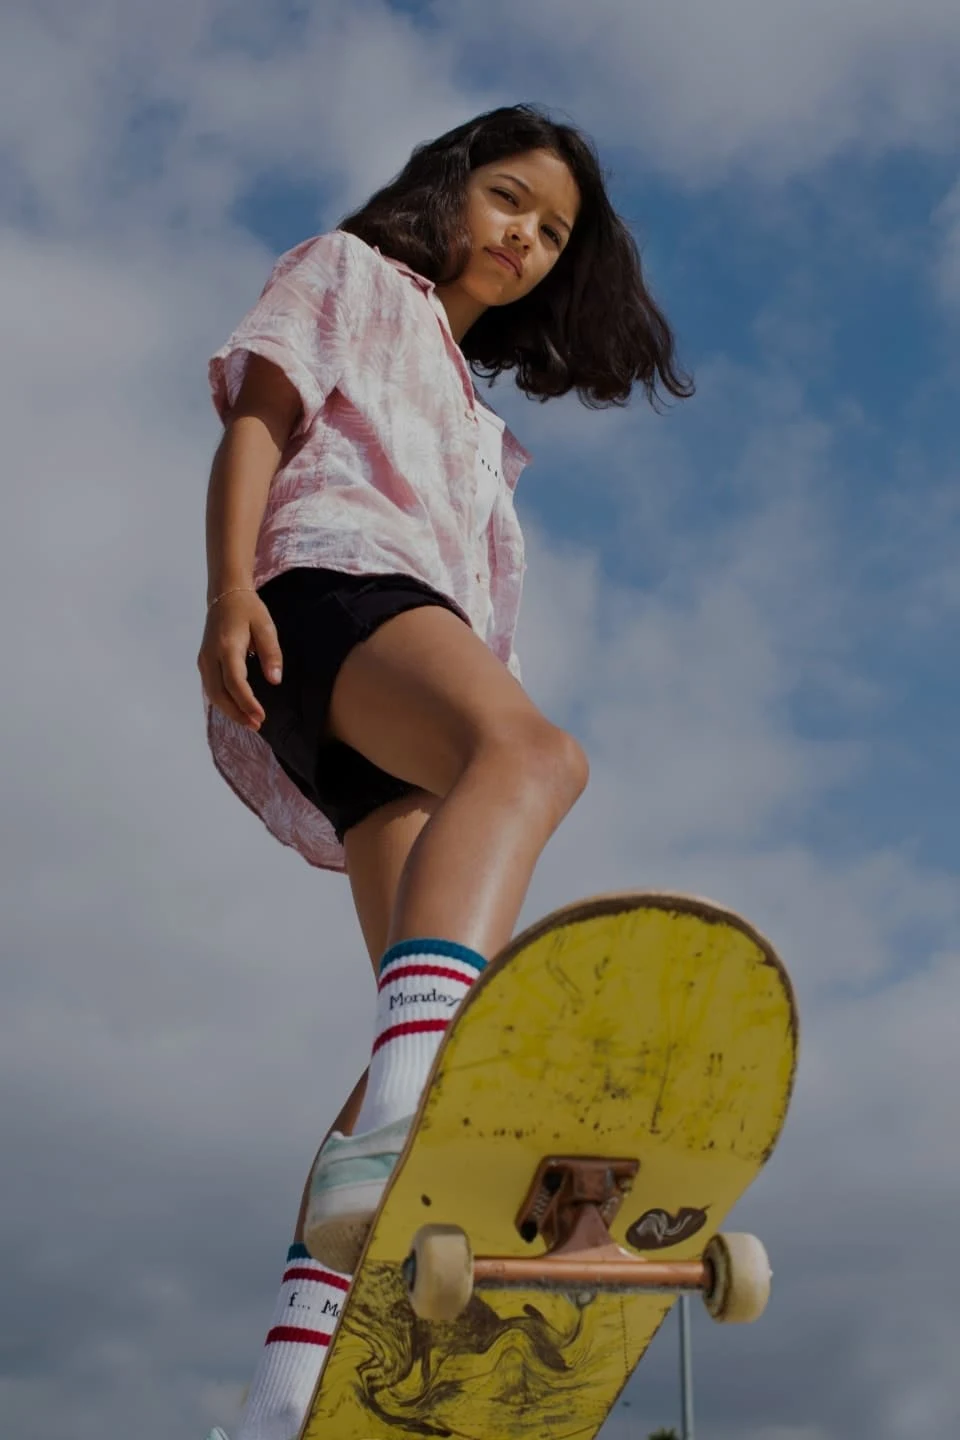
245, 463
255, 437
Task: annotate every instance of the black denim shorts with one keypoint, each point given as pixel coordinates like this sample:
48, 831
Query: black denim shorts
320, 615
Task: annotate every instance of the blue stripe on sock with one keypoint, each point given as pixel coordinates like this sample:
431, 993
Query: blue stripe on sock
298, 1252
447, 948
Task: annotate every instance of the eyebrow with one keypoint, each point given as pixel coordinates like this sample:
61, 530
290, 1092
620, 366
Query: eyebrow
504, 175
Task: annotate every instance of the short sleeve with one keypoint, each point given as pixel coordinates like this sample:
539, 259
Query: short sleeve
298, 323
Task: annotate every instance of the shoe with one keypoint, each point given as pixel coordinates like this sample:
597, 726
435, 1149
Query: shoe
349, 1178
217, 1434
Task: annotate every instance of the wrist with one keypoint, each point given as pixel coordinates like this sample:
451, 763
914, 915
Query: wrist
214, 597
218, 584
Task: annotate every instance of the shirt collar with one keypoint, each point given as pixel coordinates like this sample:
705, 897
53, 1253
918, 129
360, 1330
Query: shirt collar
421, 281
430, 290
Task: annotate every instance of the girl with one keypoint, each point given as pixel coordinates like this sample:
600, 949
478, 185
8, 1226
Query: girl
365, 565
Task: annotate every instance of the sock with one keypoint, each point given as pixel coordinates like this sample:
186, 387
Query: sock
421, 985
304, 1317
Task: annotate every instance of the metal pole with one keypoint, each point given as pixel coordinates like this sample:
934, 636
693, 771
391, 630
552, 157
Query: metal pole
686, 1370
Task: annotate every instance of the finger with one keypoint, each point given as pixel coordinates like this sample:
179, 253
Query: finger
233, 669
226, 706
267, 647
221, 701
211, 679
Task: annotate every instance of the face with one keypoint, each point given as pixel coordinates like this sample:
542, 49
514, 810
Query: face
520, 212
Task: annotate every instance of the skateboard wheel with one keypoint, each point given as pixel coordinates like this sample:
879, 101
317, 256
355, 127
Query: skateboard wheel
439, 1272
741, 1279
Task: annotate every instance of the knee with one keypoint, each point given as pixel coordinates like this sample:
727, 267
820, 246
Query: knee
545, 765
573, 764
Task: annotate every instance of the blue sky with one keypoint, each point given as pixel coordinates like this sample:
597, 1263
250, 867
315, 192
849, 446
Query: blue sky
747, 609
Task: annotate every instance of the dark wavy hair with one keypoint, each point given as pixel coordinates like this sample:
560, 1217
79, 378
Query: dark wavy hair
591, 324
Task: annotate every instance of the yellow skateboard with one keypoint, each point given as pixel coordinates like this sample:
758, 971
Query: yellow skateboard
612, 1084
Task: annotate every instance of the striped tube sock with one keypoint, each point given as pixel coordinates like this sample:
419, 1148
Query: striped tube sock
304, 1317
421, 985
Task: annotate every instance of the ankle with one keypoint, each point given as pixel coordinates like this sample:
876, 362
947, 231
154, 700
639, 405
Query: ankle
421, 986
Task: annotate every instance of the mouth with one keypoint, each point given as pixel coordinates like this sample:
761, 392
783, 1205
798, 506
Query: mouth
509, 261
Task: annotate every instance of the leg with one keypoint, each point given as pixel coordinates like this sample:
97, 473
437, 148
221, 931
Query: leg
427, 701
377, 851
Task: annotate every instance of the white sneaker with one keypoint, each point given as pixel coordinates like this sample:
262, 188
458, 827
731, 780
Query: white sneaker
348, 1181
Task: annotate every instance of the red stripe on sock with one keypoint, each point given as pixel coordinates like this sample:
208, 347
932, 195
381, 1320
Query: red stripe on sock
410, 1027
406, 972
294, 1335
323, 1277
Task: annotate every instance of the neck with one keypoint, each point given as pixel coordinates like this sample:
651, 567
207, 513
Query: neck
462, 310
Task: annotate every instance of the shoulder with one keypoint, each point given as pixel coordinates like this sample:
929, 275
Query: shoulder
328, 258
344, 271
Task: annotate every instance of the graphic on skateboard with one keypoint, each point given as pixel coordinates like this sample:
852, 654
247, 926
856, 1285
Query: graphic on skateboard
611, 1085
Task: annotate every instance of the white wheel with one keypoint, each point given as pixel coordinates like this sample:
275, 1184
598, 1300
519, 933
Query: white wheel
741, 1279
439, 1272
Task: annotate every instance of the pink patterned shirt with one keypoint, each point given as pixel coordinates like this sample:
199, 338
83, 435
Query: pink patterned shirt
379, 476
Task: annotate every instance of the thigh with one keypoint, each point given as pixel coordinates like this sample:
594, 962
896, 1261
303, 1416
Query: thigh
320, 616
422, 694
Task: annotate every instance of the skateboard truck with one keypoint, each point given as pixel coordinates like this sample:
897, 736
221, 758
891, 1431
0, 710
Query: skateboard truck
572, 1201
570, 1205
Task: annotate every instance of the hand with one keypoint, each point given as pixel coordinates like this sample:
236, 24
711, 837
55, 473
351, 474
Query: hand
237, 626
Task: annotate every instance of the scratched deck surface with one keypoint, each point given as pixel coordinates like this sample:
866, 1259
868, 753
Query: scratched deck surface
635, 1025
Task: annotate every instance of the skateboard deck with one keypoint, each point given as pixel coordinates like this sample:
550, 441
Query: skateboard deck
650, 1026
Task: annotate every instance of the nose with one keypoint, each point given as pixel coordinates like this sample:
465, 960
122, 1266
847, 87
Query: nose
520, 233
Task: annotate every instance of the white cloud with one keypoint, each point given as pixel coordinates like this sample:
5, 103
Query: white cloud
946, 220
703, 90
185, 995
699, 778
184, 1004
151, 119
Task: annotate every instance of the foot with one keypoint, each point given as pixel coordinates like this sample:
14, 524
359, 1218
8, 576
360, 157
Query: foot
349, 1178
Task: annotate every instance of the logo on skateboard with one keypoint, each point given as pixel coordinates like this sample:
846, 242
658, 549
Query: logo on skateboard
656, 1229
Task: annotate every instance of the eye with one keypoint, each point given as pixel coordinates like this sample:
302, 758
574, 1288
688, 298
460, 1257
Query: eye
547, 229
